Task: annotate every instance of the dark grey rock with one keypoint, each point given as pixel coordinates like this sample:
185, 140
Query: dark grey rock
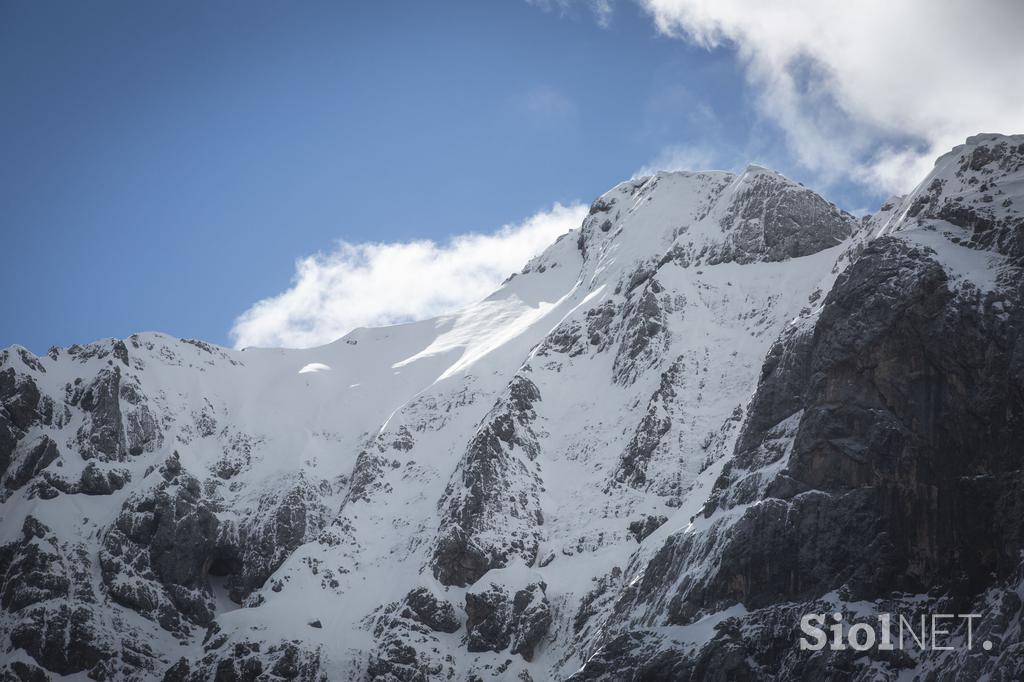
95, 479
902, 412
656, 422
102, 436
250, 661
641, 529
284, 520
61, 638
47, 587
19, 400
644, 335
156, 557
773, 219
531, 616
458, 560
495, 622
24, 672
598, 599
492, 489
437, 614
39, 456
489, 619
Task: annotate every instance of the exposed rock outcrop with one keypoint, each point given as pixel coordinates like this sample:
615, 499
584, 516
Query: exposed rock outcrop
720, 404
496, 621
491, 509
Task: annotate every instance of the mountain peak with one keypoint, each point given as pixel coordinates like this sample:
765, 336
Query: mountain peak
707, 218
977, 188
644, 434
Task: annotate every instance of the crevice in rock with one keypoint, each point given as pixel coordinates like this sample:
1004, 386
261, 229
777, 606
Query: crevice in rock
221, 572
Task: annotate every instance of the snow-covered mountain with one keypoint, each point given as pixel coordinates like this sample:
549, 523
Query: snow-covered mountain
717, 405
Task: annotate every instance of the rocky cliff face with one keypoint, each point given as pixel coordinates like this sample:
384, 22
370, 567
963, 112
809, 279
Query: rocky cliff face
719, 404
878, 469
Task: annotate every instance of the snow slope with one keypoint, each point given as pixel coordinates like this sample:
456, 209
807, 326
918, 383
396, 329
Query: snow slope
468, 495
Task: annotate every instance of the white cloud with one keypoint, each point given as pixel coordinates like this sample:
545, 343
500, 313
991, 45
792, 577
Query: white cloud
681, 158
601, 9
877, 87
385, 283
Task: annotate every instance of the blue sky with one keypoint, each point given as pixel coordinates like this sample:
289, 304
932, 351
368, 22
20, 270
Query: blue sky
164, 165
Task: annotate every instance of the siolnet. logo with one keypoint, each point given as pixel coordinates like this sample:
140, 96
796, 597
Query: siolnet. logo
933, 632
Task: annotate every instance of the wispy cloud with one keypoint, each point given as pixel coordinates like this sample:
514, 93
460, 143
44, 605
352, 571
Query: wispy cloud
602, 10
545, 104
870, 91
384, 283
681, 157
